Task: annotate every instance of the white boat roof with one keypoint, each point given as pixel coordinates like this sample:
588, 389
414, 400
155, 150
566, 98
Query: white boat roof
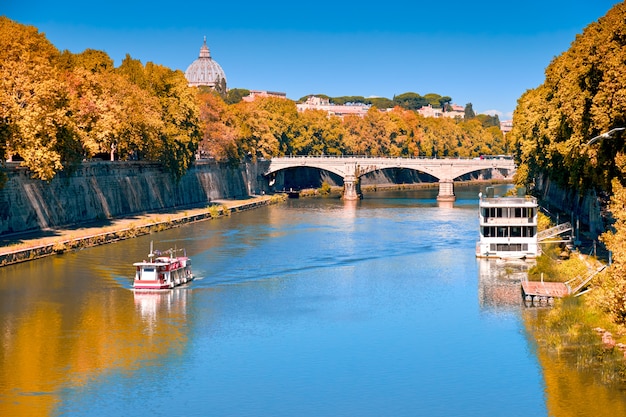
164, 260
508, 201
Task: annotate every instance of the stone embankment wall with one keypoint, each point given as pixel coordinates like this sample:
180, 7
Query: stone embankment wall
102, 190
105, 189
583, 209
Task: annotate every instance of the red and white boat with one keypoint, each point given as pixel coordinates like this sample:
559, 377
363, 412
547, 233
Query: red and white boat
162, 271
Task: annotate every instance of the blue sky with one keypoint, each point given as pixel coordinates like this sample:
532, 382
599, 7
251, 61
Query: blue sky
482, 52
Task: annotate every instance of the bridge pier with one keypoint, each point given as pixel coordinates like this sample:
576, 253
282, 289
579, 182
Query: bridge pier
446, 190
351, 188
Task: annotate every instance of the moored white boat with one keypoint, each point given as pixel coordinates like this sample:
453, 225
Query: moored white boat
162, 270
508, 227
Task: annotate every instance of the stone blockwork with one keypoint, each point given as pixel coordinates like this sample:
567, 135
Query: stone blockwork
104, 190
584, 209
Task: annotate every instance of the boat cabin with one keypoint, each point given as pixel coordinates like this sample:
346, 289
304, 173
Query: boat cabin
162, 272
508, 226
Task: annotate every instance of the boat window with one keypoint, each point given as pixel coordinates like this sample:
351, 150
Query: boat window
516, 231
509, 247
503, 232
148, 274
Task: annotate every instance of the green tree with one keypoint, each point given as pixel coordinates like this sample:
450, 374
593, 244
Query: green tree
235, 95
487, 120
444, 101
469, 112
410, 101
434, 100
382, 102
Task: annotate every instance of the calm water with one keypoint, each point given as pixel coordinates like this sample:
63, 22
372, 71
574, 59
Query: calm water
310, 308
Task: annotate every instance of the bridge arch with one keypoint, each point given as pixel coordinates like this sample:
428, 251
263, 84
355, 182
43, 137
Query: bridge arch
352, 168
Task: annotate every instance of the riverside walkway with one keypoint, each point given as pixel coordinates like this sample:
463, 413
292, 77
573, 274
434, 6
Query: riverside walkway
21, 247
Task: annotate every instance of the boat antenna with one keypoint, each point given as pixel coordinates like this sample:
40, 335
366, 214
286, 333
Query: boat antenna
151, 254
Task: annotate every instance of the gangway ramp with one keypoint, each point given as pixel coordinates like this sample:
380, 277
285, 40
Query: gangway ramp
554, 231
578, 283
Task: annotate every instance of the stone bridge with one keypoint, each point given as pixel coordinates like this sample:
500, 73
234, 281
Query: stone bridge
350, 168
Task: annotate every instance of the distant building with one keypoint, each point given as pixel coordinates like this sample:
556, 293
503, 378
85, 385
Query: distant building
318, 103
204, 71
506, 126
430, 111
456, 110
254, 94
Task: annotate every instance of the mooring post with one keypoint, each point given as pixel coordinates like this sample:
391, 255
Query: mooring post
446, 190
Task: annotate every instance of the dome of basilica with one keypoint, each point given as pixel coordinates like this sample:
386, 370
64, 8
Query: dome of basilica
205, 71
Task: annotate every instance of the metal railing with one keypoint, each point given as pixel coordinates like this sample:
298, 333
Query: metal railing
554, 231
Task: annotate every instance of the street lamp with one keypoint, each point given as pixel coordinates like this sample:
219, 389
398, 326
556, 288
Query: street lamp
606, 135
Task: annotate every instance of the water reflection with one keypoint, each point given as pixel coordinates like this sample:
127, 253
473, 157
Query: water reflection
570, 390
445, 204
499, 281
62, 330
152, 305
312, 307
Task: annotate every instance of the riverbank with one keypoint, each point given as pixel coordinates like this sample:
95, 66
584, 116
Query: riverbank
337, 191
22, 247
27, 246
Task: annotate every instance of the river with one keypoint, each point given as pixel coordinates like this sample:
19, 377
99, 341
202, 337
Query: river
314, 307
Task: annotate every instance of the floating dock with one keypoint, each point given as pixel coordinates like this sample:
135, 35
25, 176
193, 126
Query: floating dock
539, 293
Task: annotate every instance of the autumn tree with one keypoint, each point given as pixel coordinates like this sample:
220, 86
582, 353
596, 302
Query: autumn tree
254, 130
91, 60
318, 134
32, 116
583, 95
179, 137
218, 130
610, 292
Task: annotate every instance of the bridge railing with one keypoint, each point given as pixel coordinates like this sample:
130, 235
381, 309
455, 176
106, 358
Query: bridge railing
500, 157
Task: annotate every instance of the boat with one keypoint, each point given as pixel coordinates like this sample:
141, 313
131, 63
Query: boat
162, 270
508, 227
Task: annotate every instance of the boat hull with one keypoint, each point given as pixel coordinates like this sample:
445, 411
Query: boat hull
158, 285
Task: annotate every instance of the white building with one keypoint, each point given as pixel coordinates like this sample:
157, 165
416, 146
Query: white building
254, 94
319, 103
430, 111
